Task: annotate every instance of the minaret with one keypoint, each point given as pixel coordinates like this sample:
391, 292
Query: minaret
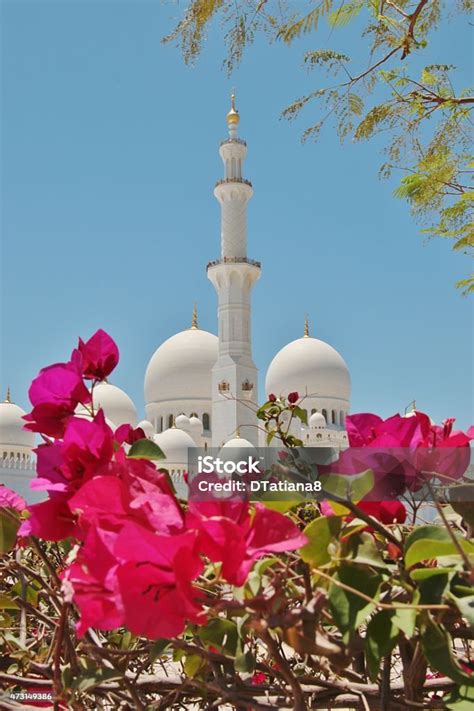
234, 376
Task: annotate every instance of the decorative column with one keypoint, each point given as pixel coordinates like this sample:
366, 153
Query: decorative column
234, 378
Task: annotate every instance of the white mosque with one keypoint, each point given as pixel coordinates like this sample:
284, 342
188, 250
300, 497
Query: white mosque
201, 388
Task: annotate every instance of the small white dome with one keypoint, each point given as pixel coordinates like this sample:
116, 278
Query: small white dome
182, 367
147, 427
310, 367
116, 404
317, 421
237, 449
183, 422
238, 443
11, 427
195, 426
175, 444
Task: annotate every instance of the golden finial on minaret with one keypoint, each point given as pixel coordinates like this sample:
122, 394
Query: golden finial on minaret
194, 321
237, 434
233, 117
306, 328
8, 396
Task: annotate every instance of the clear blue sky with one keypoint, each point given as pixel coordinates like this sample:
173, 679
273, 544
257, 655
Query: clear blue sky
108, 218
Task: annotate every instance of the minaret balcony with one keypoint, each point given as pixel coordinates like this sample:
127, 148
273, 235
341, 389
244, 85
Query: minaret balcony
234, 260
225, 181
234, 140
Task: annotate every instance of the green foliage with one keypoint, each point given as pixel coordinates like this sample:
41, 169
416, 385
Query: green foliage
320, 533
348, 608
437, 646
145, 449
9, 525
429, 542
423, 116
461, 499
380, 640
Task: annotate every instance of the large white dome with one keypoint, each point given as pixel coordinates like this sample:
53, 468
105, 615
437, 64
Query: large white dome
12, 433
310, 367
181, 368
116, 404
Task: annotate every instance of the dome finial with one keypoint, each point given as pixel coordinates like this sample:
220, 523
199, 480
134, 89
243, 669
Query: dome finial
306, 327
237, 434
233, 117
8, 396
194, 321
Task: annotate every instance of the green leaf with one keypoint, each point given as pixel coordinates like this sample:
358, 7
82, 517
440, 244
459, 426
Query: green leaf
356, 104
405, 620
320, 533
245, 663
380, 639
220, 633
145, 449
427, 77
159, 648
8, 530
300, 413
349, 610
461, 498
31, 593
465, 606
193, 664
6, 603
363, 550
420, 574
428, 542
437, 646
351, 487
345, 13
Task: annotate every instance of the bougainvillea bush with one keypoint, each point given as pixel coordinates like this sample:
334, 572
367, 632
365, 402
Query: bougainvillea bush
115, 594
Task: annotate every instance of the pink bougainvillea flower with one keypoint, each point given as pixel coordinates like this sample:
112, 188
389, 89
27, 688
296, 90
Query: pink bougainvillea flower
403, 451
109, 502
55, 394
91, 581
100, 355
258, 678
51, 520
10, 499
444, 451
232, 535
49, 476
387, 512
155, 581
128, 435
87, 446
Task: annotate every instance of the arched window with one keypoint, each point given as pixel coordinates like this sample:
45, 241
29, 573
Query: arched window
170, 420
319, 436
325, 414
206, 421
342, 418
334, 417
313, 410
